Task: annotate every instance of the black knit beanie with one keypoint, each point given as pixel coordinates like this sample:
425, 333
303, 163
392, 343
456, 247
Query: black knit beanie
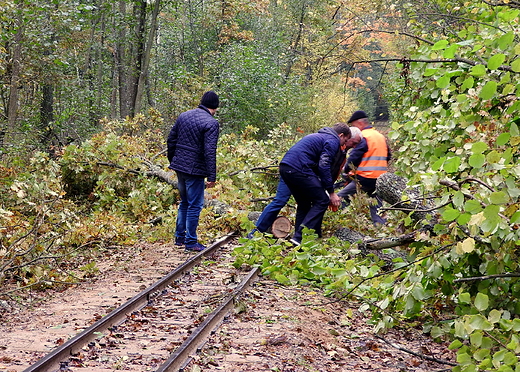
357, 115
209, 100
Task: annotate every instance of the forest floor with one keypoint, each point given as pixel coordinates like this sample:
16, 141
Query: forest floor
279, 328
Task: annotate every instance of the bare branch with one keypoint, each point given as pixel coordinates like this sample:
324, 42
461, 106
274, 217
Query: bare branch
419, 355
485, 277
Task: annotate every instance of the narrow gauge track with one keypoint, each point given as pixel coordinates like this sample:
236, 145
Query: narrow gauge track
159, 328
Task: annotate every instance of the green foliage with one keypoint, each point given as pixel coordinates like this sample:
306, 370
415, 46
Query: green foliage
314, 262
457, 126
254, 92
55, 214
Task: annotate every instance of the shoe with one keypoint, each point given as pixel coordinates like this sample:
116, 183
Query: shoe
251, 234
197, 247
295, 242
179, 241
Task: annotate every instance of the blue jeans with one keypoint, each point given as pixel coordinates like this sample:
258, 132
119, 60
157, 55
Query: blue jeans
270, 212
191, 189
311, 197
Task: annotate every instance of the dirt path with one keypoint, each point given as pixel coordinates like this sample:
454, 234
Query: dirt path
273, 328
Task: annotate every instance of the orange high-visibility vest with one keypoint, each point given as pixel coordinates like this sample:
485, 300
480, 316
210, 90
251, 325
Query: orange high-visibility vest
375, 161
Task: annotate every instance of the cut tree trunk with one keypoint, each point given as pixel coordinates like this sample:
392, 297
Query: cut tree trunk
394, 190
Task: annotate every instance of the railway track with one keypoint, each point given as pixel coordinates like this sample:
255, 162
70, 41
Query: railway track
160, 328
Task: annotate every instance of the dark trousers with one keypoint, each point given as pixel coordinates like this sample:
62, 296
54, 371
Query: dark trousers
312, 200
368, 185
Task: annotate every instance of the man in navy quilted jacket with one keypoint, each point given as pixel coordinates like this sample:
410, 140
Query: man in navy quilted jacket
307, 170
192, 153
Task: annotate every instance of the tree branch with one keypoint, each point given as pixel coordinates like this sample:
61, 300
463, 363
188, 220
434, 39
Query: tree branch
419, 355
449, 60
485, 277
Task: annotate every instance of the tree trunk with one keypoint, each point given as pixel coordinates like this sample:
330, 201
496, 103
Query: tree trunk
47, 115
120, 61
393, 190
143, 73
14, 91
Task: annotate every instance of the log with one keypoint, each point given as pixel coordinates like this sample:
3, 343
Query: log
393, 189
281, 227
366, 243
375, 246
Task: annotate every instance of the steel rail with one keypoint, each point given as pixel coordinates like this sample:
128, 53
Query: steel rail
51, 362
181, 354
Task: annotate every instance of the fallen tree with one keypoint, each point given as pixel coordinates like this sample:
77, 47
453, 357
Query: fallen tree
393, 190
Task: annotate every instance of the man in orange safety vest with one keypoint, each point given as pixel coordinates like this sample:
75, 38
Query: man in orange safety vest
366, 162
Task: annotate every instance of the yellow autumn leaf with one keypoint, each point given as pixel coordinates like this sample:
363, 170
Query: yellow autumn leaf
467, 246
477, 219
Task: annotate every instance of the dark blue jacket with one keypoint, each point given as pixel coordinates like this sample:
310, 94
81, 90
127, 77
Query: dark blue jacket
314, 155
192, 144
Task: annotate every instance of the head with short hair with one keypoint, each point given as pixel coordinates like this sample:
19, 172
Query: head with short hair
342, 128
343, 131
356, 137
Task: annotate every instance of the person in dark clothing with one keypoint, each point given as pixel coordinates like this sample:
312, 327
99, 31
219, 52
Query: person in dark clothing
366, 162
192, 153
270, 212
307, 170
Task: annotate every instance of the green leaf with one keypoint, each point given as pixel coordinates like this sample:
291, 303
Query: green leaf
514, 130
481, 354
455, 345
493, 157
515, 65
516, 325
503, 138
318, 270
479, 147
451, 165
496, 61
443, 82
478, 70
430, 71
481, 301
419, 293
464, 298
464, 218
510, 359
505, 41
476, 339
450, 214
495, 316
441, 44
488, 91
499, 197
492, 219
477, 160
478, 322
458, 199
515, 218
468, 83
472, 206
450, 51
438, 164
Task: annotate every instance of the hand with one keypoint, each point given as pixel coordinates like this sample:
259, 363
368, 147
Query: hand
335, 200
209, 185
